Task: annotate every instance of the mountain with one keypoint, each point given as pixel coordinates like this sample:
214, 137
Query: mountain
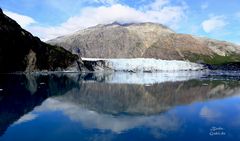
21, 51
147, 40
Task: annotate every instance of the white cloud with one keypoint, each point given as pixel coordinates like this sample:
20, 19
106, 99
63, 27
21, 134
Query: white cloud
72, 6
204, 6
160, 11
22, 20
214, 23
157, 4
106, 1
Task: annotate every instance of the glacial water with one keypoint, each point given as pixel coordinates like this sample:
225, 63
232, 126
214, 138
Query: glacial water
120, 107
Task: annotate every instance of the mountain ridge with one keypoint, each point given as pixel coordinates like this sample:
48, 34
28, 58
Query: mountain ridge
20, 51
147, 40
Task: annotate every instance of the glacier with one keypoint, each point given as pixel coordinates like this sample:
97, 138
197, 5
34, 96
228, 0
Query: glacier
144, 65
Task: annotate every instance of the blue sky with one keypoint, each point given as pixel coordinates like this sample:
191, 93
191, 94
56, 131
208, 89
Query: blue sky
218, 19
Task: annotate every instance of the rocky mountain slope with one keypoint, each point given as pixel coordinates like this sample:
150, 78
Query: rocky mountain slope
20, 51
147, 40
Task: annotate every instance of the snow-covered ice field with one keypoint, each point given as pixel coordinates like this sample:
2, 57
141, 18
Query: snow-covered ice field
147, 64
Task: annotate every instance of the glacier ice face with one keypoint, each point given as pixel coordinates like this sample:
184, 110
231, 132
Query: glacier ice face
147, 65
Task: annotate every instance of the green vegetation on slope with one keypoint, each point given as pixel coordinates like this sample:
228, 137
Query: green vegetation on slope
213, 60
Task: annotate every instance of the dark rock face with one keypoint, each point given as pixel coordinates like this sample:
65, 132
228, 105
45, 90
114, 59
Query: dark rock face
21, 51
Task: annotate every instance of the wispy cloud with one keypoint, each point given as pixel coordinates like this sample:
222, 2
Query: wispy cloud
157, 4
23, 20
106, 1
238, 14
214, 23
204, 5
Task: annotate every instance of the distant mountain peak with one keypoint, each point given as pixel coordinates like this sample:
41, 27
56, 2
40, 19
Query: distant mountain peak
119, 24
127, 24
147, 40
148, 27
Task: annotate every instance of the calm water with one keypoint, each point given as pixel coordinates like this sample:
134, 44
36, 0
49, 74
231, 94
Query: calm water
119, 107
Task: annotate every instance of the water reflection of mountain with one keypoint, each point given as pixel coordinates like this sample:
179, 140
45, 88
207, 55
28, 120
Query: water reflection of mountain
147, 99
21, 93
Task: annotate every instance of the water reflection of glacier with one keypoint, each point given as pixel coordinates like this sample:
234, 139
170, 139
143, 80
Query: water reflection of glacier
151, 78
